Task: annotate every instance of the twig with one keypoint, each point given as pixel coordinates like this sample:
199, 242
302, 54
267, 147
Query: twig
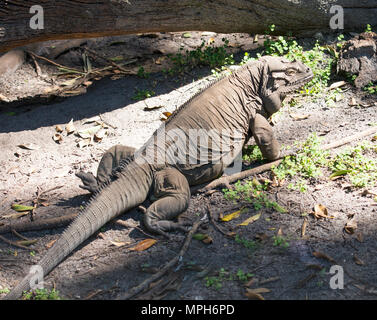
224, 181
13, 243
54, 63
170, 264
110, 61
49, 223
212, 219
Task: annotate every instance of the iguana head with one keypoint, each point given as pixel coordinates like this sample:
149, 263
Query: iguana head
282, 77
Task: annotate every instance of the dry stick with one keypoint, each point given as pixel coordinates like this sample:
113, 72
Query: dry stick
39, 224
54, 63
166, 268
111, 61
13, 243
224, 181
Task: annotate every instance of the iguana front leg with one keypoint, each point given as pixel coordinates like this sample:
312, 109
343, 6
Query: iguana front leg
172, 191
264, 137
112, 160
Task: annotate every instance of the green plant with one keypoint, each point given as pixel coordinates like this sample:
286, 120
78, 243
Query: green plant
5, 290
252, 191
42, 294
243, 276
252, 153
205, 55
216, 281
371, 88
360, 169
368, 28
248, 244
307, 163
143, 94
280, 241
142, 74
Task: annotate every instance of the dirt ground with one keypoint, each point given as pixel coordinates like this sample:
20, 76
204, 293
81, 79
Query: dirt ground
100, 268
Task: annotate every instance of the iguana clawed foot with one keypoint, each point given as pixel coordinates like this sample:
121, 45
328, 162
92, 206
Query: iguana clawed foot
89, 181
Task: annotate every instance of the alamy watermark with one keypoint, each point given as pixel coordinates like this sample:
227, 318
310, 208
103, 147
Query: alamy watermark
37, 20
36, 277
337, 280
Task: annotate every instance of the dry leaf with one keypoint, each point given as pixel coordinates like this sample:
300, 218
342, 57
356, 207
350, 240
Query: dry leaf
152, 108
90, 132
232, 215
68, 83
353, 102
320, 211
70, 127
280, 232
250, 220
119, 243
84, 143
358, 261
100, 135
321, 255
303, 227
255, 294
26, 242
29, 146
15, 215
58, 138
350, 226
165, 115
297, 117
92, 119
337, 84
50, 244
58, 128
143, 245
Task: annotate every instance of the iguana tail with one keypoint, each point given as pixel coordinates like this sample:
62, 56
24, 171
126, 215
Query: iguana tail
129, 190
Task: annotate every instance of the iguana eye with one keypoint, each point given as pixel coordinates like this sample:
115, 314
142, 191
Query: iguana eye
290, 72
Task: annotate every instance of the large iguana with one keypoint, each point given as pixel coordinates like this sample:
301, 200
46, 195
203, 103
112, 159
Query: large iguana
178, 155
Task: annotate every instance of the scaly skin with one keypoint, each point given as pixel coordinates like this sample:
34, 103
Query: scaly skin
234, 108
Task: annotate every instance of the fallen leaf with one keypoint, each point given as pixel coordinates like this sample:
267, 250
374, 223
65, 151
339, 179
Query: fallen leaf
91, 120
21, 208
143, 245
26, 242
339, 173
353, 102
250, 220
160, 60
90, 132
303, 227
58, 128
165, 115
350, 226
152, 108
187, 35
70, 127
15, 215
357, 260
261, 236
321, 255
120, 243
84, 143
50, 244
199, 236
100, 135
68, 83
29, 146
320, 211
280, 232
255, 294
297, 117
58, 138
337, 84
232, 215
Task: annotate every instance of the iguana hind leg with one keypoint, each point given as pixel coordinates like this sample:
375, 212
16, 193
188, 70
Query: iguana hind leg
111, 161
172, 191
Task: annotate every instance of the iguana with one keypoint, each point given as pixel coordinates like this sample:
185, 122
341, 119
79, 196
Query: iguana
228, 112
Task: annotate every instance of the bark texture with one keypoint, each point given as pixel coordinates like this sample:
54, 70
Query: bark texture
67, 19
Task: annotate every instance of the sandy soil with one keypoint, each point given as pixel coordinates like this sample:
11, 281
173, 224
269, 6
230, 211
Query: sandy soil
101, 270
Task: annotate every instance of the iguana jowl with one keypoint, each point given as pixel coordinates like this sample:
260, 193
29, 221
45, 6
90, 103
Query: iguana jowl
239, 103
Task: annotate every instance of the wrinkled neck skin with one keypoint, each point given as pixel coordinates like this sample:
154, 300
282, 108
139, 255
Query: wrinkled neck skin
272, 99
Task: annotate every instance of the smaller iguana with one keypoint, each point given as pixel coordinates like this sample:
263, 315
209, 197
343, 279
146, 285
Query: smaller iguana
197, 143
